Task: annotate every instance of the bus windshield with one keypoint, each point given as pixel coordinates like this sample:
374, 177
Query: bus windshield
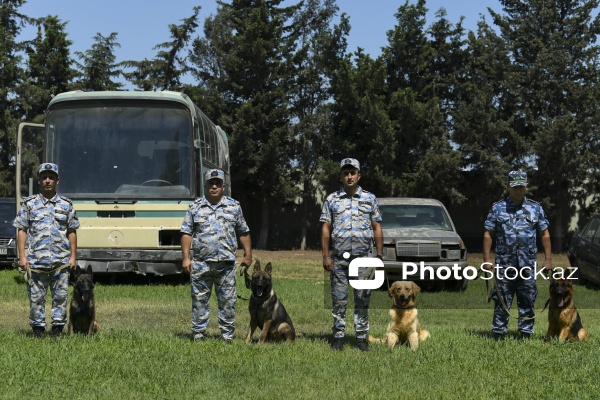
122, 150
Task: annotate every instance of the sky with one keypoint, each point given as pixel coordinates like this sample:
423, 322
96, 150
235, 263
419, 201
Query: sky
142, 24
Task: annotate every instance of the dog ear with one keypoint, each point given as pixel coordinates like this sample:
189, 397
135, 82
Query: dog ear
415, 288
89, 271
78, 271
257, 266
269, 269
391, 290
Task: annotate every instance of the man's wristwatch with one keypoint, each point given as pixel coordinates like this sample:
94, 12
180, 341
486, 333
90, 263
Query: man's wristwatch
380, 256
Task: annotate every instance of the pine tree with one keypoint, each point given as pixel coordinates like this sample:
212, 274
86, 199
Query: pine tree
164, 72
555, 61
98, 66
49, 68
309, 92
421, 77
253, 78
11, 76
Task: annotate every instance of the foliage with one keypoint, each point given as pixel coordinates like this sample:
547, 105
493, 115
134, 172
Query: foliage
164, 72
49, 68
98, 66
440, 113
555, 63
11, 75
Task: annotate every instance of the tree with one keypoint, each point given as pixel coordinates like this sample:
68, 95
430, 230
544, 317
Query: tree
253, 81
49, 68
11, 75
420, 85
482, 115
555, 61
98, 66
316, 41
164, 72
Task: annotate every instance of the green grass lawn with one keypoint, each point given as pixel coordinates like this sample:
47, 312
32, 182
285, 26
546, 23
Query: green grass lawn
144, 348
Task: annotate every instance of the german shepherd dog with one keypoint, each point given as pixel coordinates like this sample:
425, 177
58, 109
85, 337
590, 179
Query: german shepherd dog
404, 326
82, 312
266, 311
564, 321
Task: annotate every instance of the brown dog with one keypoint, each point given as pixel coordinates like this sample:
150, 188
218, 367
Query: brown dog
266, 311
404, 326
564, 321
82, 312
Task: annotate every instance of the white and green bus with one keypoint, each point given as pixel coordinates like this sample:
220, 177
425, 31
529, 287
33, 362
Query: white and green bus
131, 162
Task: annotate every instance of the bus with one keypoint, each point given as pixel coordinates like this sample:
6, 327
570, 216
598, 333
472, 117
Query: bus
131, 162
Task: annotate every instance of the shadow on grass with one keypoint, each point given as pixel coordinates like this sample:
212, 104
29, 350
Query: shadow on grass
487, 334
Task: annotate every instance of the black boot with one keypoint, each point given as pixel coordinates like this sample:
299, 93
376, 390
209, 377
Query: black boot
38, 331
57, 330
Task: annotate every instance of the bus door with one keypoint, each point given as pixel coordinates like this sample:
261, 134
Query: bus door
30, 152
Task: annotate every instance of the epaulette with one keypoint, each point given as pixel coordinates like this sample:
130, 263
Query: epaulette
231, 200
533, 202
66, 199
29, 198
499, 201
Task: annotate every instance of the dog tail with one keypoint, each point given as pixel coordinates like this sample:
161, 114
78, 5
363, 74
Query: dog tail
373, 339
424, 335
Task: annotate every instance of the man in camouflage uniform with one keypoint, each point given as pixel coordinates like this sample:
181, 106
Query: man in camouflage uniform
515, 221
348, 216
210, 227
47, 243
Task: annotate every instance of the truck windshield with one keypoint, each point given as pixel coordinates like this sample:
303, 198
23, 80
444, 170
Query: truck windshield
139, 150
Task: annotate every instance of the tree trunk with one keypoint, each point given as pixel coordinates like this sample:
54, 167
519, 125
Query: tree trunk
263, 236
304, 225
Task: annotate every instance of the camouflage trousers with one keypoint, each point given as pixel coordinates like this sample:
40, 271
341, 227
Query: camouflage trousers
522, 283
39, 282
204, 276
339, 299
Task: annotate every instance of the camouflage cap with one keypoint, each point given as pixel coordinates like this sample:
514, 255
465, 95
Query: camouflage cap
517, 178
214, 174
48, 167
351, 162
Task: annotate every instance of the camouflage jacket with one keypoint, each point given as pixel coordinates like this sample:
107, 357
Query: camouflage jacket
47, 222
351, 218
515, 227
214, 228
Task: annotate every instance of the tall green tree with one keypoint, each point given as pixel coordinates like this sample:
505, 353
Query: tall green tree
317, 40
11, 76
165, 71
98, 66
555, 59
482, 118
48, 68
422, 66
253, 81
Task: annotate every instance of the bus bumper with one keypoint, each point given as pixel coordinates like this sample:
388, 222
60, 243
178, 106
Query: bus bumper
142, 262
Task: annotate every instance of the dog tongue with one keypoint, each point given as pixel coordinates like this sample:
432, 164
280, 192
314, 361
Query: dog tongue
562, 301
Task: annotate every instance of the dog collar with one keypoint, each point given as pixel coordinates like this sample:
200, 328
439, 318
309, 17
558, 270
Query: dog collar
403, 308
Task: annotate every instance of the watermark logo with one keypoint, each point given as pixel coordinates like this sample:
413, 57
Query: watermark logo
365, 262
411, 271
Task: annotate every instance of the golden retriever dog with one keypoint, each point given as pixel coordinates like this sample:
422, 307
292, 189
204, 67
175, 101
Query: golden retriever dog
564, 322
404, 326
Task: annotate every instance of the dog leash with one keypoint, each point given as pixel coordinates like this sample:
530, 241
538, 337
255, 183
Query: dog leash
247, 280
503, 302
